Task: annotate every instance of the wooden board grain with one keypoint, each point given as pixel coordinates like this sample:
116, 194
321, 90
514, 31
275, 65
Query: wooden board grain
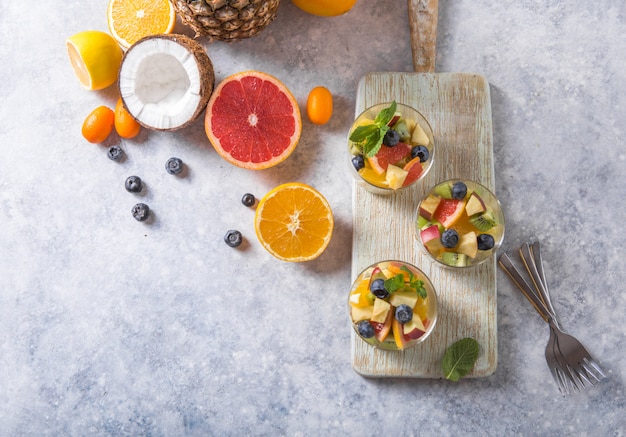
458, 108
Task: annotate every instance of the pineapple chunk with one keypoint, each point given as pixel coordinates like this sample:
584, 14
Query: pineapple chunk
419, 137
361, 313
395, 176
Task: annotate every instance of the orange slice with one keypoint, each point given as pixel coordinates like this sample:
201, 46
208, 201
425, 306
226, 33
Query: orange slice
294, 222
131, 20
252, 120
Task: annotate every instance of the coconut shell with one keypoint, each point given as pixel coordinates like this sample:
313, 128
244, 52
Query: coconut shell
205, 68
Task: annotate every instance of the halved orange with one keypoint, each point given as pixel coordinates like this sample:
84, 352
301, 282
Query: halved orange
131, 20
294, 222
252, 120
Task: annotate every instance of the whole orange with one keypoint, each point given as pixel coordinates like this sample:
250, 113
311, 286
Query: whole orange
125, 125
98, 124
319, 105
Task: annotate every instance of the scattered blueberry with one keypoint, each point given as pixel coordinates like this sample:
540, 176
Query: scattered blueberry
233, 238
485, 242
358, 162
174, 166
404, 313
449, 238
459, 190
133, 184
115, 153
378, 289
421, 152
141, 211
365, 328
391, 138
248, 199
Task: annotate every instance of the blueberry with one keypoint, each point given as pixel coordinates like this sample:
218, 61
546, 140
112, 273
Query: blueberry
391, 138
485, 242
449, 238
115, 153
404, 313
358, 162
133, 184
459, 190
365, 328
140, 211
233, 238
248, 199
421, 152
174, 166
377, 287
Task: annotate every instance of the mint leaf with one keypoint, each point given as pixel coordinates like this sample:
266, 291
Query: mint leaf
394, 283
416, 284
386, 115
460, 358
362, 132
369, 138
374, 142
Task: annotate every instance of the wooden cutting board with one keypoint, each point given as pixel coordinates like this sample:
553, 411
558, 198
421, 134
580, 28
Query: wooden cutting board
458, 108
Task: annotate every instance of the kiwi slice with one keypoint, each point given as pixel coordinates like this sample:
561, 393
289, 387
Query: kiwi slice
455, 259
484, 221
444, 191
422, 222
403, 130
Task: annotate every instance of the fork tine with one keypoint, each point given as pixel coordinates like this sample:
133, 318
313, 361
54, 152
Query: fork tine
592, 369
561, 381
581, 373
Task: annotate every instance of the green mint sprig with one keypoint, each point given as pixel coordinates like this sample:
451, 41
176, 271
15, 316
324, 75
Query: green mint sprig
460, 358
415, 283
370, 137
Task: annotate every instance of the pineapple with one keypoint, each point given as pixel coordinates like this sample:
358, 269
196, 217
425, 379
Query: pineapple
226, 20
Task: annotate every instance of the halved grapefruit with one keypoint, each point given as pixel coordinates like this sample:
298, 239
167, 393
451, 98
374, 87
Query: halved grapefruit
252, 120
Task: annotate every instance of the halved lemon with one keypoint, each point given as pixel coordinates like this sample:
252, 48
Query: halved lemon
131, 20
95, 58
294, 222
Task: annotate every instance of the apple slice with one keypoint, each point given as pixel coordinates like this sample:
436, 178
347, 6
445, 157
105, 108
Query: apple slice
382, 329
429, 206
380, 311
474, 205
468, 244
403, 297
414, 328
414, 169
430, 233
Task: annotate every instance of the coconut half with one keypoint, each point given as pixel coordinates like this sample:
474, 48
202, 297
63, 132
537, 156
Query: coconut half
165, 81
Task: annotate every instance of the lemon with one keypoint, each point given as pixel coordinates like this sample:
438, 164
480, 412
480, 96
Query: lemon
325, 8
96, 57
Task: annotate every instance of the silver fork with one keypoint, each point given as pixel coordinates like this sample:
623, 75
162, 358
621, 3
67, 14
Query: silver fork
557, 365
579, 359
583, 368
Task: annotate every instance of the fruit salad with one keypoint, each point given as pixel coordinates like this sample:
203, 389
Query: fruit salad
391, 147
460, 223
392, 305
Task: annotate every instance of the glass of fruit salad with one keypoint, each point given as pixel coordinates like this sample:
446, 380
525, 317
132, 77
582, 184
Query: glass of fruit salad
391, 147
460, 223
392, 305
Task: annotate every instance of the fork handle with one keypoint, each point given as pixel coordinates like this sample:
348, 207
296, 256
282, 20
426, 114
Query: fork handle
507, 265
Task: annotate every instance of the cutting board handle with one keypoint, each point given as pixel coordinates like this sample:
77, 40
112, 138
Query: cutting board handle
423, 25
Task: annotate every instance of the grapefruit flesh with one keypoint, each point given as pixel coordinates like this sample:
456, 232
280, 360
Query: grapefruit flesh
449, 212
253, 121
389, 155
